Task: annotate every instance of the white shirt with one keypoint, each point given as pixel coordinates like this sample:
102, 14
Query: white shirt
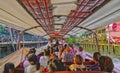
31, 69
43, 61
26, 63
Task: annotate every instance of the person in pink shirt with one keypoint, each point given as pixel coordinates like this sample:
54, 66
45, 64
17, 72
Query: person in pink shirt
81, 53
73, 50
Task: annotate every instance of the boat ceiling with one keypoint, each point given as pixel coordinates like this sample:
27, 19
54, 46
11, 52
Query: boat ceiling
63, 17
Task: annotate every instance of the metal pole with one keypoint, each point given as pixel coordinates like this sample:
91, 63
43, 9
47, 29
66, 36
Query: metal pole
23, 39
18, 45
11, 37
108, 40
96, 39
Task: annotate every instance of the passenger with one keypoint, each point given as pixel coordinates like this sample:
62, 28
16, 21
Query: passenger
78, 64
34, 64
60, 52
67, 56
95, 65
26, 62
55, 65
81, 53
39, 55
9, 68
52, 54
106, 64
43, 60
73, 49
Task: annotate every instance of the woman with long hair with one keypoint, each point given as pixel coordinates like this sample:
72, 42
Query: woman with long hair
9, 68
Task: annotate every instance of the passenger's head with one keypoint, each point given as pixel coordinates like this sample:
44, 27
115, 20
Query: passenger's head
80, 48
65, 46
78, 60
9, 68
46, 52
106, 64
96, 56
32, 50
55, 65
33, 61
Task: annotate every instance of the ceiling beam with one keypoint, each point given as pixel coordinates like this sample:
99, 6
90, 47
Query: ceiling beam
85, 28
29, 29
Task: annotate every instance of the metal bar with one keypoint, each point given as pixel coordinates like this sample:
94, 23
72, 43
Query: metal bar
11, 37
74, 19
41, 13
27, 1
69, 19
90, 9
45, 4
73, 15
94, 5
85, 15
30, 28
18, 45
80, 11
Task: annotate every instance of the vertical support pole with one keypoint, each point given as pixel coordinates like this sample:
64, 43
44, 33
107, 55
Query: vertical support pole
18, 44
11, 37
96, 39
108, 40
23, 39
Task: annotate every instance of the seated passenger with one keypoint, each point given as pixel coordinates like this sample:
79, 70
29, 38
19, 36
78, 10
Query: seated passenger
9, 68
55, 65
26, 62
67, 56
81, 53
39, 55
28, 53
106, 64
34, 64
52, 54
73, 49
78, 64
95, 65
43, 60
61, 51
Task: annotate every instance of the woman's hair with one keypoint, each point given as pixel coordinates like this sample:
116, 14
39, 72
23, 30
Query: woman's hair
78, 59
106, 64
80, 48
32, 50
9, 66
96, 56
55, 65
47, 52
33, 58
51, 51
65, 46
